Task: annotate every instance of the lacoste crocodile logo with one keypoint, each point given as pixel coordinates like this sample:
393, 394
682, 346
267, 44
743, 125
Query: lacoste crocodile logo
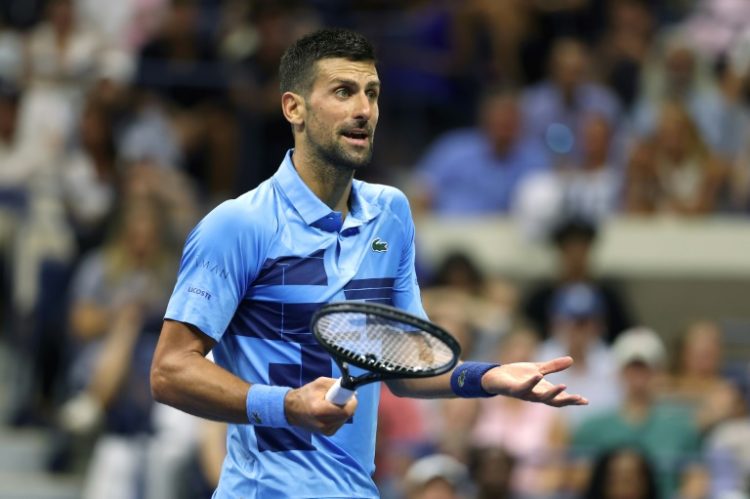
379, 246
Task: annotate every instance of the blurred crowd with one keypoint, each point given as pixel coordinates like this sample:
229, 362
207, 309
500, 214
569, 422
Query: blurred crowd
122, 122
661, 411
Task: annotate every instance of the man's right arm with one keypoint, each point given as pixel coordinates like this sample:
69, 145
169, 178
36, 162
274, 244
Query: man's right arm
182, 377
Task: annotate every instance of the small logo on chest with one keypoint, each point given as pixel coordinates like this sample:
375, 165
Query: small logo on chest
379, 246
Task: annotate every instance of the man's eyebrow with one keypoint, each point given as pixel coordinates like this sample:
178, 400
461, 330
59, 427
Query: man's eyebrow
344, 81
352, 83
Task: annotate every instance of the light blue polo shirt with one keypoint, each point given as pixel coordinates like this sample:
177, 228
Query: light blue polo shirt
253, 272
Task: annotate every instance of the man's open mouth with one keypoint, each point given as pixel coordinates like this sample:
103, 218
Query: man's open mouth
359, 135
356, 135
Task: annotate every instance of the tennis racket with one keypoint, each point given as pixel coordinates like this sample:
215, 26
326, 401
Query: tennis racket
385, 341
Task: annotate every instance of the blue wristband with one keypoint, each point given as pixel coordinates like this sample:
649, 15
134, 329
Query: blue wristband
466, 379
265, 405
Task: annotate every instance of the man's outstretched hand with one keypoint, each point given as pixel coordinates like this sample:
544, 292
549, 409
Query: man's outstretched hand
525, 381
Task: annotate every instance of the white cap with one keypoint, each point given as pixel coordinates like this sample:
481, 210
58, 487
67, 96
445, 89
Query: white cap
437, 466
639, 344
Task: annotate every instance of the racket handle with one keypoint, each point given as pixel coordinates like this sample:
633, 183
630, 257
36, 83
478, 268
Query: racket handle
339, 395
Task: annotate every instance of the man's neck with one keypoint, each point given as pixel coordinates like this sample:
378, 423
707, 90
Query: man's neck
330, 184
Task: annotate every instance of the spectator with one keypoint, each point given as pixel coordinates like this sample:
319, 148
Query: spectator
577, 329
624, 48
127, 273
170, 188
666, 434
675, 72
697, 382
674, 171
554, 110
18, 163
128, 24
254, 86
64, 59
436, 477
181, 65
184, 455
149, 136
212, 451
734, 114
587, 190
119, 293
491, 469
591, 192
733, 145
401, 440
89, 177
727, 449
622, 473
448, 422
714, 25
12, 198
475, 307
574, 242
37, 244
11, 54
491, 38
535, 438
477, 171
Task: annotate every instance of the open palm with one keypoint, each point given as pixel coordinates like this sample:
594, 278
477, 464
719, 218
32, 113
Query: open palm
525, 381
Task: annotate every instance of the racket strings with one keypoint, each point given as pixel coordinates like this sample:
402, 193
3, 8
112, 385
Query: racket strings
385, 343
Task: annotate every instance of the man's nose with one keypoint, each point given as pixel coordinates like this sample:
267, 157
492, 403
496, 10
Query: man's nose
363, 107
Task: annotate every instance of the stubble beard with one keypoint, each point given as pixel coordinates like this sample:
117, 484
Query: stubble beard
335, 155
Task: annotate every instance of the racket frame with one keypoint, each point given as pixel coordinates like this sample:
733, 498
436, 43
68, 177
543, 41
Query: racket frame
375, 373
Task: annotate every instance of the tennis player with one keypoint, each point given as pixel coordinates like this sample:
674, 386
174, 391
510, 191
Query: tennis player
255, 269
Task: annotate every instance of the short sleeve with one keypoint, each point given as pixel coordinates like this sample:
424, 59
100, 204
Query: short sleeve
221, 256
406, 294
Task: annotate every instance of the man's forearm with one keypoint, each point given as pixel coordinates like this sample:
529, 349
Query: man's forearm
193, 384
424, 388
182, 377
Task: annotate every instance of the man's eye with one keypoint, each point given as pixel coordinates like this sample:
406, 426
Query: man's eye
372, 94
342, 92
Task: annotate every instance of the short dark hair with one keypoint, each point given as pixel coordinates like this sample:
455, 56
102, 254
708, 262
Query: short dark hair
296, 70
572, 229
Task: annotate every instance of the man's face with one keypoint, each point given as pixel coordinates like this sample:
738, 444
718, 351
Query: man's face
569, 64
637, 378
502, 120
579, 332
341, 112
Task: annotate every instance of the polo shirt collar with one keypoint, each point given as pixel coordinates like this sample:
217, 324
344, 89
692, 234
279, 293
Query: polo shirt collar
359, 207
314, 211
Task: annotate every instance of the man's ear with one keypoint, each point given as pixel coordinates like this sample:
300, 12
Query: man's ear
293, 106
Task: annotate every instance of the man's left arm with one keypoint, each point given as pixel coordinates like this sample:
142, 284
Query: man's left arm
523, 380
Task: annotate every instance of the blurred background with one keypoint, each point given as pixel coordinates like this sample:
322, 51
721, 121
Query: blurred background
579, 172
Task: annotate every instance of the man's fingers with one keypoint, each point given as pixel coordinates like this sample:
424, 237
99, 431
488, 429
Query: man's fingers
566, 399
340, 417
555, 365
552, 393
529, 384
350, 406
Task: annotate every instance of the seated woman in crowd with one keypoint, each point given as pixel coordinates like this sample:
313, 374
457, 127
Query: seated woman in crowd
674, 170
697, 381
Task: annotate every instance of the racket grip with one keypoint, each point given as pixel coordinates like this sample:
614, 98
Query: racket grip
339, 395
